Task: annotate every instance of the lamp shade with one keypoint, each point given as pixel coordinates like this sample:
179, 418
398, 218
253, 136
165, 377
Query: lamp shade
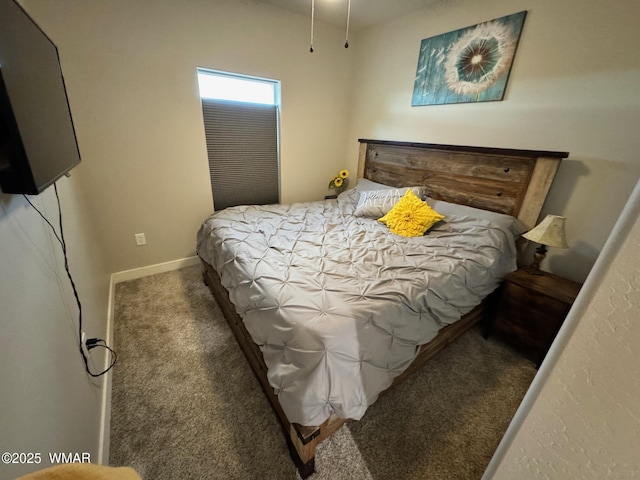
549, 231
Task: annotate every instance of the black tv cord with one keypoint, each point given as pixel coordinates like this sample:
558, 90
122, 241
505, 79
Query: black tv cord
91, 343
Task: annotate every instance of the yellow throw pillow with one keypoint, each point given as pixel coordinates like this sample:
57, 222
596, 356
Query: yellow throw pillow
410, 217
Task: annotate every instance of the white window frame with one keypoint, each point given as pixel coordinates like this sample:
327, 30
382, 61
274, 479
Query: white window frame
221, 160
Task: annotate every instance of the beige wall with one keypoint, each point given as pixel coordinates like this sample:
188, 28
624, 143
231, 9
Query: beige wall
581, 417
130, 69
573, 87
47, 401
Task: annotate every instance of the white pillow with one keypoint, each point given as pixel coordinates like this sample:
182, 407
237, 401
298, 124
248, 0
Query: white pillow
376, 203
363, 184
506, 222
366, 184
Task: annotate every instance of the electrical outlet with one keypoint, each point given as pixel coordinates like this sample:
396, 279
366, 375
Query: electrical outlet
140, 239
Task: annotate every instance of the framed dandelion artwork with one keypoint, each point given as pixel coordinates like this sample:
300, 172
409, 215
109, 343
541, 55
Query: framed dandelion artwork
468, 65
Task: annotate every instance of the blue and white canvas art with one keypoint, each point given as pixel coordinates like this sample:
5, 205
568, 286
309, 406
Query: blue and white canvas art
468, 65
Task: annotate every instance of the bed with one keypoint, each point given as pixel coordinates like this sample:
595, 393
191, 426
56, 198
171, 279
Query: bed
331, 309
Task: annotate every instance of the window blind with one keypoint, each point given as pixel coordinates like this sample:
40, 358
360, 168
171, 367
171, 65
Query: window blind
242, 146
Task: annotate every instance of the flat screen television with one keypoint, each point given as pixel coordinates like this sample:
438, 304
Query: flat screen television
37, 137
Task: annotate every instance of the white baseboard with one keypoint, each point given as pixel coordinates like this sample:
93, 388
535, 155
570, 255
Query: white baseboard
118, 277
105, 420
153, 269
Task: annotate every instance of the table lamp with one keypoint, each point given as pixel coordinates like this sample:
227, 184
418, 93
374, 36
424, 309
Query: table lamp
549, 232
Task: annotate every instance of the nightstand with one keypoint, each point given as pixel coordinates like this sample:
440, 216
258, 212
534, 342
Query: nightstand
530, 310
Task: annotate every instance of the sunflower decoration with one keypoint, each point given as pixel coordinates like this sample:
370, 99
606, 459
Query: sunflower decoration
340, 182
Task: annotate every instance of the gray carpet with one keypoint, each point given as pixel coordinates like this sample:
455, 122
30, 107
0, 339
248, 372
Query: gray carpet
185, 404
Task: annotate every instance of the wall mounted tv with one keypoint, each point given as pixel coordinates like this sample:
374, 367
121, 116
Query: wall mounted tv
37, 138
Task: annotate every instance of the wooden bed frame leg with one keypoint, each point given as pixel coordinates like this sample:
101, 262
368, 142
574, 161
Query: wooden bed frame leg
304, 456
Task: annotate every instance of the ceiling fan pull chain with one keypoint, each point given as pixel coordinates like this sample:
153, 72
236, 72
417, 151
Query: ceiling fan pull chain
346, 43
313, 13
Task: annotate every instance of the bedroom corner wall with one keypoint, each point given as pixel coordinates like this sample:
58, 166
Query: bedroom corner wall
131, 72
573, 87
47, 401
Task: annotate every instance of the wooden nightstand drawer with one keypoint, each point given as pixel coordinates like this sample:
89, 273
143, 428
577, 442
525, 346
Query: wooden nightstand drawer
531, 308
528, 318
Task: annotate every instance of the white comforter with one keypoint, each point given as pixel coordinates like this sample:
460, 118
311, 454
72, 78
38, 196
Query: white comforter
340, 306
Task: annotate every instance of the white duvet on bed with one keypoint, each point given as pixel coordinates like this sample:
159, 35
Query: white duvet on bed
339, 305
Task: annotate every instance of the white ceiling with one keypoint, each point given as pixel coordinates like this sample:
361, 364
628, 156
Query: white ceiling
364, 13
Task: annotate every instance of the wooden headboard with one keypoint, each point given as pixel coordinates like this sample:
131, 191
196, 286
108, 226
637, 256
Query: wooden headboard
515, 182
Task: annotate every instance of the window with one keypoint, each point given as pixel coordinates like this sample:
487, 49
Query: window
241, 127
